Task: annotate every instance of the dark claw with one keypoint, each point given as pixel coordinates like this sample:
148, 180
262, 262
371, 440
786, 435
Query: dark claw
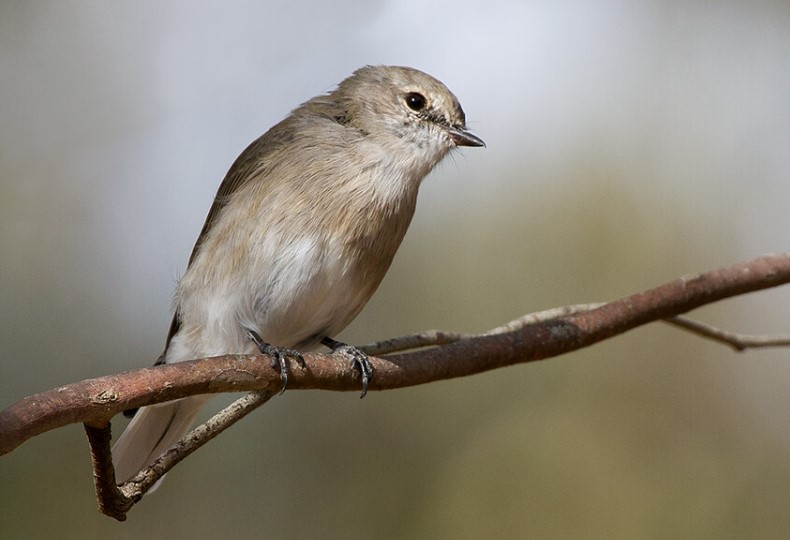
357, 358
278, 356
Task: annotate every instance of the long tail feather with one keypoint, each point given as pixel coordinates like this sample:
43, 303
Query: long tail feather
153, 430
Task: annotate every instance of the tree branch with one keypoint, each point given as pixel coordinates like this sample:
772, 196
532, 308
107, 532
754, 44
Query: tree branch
533, 337
115, 501
96, 401
738, 342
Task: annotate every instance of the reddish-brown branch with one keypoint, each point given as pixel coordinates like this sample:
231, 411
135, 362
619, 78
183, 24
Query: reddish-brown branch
95, 401
115, 501
111, 501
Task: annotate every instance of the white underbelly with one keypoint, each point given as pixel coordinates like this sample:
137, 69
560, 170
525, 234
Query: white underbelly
291, 296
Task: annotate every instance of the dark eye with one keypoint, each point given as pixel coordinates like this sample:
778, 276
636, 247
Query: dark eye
415, 101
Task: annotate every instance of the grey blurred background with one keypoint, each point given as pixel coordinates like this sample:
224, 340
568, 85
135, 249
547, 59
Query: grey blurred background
628, 143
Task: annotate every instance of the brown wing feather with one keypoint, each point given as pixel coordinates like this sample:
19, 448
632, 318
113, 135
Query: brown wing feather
241, 172
249, 164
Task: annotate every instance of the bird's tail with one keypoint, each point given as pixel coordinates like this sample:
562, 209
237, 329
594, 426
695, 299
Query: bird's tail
153, 430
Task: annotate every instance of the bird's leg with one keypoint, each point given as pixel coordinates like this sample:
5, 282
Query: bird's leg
357, 358
277, 356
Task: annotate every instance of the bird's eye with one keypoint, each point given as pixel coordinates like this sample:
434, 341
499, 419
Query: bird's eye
415, 101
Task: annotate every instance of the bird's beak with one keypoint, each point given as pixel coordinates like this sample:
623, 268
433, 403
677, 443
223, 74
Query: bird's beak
462, 137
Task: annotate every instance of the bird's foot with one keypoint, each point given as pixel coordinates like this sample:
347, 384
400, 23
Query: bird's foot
357, 358
278, 356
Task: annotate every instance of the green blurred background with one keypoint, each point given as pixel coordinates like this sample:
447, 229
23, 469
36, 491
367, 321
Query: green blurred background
628, 143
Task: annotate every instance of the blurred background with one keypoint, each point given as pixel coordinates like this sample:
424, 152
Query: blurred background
628, 142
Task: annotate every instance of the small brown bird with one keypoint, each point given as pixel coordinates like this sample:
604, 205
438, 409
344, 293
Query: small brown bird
301, 233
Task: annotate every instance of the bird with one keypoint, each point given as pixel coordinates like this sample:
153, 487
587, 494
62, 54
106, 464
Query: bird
302, 230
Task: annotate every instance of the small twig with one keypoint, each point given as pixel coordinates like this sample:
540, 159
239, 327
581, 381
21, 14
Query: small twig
541, 317
739, 342
428, 338
434, 338
116, 501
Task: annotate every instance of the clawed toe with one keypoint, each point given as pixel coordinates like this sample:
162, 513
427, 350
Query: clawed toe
357, 358
278, 356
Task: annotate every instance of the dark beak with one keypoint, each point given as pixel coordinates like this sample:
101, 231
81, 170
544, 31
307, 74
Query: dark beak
461, 137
